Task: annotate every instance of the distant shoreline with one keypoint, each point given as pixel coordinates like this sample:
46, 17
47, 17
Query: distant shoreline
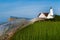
3, 22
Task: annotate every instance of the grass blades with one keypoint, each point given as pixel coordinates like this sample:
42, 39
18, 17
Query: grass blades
47, 30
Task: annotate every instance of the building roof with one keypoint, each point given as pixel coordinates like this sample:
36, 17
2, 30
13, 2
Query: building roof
46, 14
38, 14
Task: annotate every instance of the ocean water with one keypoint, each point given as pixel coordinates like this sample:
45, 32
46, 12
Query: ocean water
3, 20
6, 19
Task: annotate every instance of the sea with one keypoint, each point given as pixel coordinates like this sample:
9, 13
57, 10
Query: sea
4, 20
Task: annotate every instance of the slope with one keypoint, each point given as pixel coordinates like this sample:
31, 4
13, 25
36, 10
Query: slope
46, 30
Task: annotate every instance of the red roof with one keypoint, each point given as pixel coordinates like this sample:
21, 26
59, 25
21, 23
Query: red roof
46, 14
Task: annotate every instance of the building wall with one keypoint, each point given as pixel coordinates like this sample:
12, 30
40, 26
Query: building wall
42, 16
50, 16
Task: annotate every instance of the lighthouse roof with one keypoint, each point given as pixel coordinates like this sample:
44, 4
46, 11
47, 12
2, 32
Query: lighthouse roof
50, 7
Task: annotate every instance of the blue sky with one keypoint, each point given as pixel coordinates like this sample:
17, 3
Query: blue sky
27, 8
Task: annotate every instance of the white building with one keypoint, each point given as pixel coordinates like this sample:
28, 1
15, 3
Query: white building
49, 15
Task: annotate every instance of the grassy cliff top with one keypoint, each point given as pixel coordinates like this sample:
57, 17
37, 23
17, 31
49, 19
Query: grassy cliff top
46, 30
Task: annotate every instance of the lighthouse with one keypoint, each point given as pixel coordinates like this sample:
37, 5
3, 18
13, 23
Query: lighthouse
50, 15
47, 15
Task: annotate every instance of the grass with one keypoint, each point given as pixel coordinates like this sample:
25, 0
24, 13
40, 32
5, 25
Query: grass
47, 30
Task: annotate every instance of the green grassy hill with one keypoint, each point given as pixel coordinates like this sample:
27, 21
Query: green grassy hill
46, 30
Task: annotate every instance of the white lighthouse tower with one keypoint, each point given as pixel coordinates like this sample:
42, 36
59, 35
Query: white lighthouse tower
50, 15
